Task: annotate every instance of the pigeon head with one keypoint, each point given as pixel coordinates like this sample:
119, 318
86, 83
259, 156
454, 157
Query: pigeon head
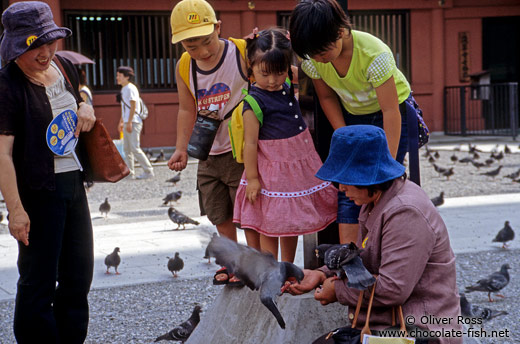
116, 250
321, 249
505, 267
176, 254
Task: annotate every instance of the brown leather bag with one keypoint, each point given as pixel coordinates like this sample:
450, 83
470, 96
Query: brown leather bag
106, 164
105, 161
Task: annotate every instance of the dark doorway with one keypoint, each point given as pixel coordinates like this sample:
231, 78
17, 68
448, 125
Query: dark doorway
501, 53
501, 48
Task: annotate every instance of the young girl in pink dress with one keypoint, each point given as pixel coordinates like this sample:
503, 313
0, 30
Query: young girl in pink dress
279, 196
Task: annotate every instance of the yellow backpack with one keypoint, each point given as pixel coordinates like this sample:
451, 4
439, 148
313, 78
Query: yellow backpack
236, 125
184, 61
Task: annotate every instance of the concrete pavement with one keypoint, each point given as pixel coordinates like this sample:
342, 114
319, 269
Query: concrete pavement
472, 223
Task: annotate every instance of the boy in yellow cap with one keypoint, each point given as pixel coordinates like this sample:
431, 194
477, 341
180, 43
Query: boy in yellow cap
217, 74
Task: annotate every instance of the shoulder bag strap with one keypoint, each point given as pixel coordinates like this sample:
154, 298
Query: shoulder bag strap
62, 70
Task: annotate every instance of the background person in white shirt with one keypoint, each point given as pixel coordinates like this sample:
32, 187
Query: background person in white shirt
132, 123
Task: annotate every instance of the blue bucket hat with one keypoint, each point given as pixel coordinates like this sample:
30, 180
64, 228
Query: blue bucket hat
359, 155
28, 25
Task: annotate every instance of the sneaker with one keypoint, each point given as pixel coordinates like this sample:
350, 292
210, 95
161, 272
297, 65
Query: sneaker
146, 175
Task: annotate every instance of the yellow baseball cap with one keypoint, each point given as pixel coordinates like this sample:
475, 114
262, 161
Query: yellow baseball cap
192, 18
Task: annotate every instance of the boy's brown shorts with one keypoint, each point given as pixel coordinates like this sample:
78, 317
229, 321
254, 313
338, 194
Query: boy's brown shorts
217, 181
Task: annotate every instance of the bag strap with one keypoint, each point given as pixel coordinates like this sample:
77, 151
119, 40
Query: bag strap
128, 106
62, 70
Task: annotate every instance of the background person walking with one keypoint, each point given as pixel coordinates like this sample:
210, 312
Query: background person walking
132, 123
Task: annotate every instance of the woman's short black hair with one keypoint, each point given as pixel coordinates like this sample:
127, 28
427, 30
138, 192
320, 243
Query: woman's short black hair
315, 25
379, 187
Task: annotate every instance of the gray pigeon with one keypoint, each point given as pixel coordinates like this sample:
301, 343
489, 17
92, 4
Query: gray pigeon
175, 179
175, 264
179, 218
493, 283
113, 259
505, 234
346, 258
172, 197
439, 200
104, 208
474, 311
206, 253
183, 331
259, 271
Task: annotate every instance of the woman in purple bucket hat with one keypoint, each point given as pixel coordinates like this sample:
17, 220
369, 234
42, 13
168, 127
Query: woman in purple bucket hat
43, 192
403, 238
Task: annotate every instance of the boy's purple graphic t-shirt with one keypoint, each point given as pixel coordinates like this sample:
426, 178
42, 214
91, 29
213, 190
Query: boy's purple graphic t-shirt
282, 115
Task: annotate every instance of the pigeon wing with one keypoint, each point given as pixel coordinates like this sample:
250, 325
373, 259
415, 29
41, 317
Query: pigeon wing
358, 276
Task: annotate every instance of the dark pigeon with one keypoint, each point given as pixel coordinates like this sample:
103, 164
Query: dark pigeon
477, 164
172, 197
439, 200
113, 260
454, 158
175, 179
493, 283
474, 311
183, 331
514, 175
160, 157
505, 234
507, 150
436, 155
175, 264
439, 170
346, 257
180, 219
88, 185
493, 173
448, 173
476, 156
259, 271
104, 208
489, 161
466, 160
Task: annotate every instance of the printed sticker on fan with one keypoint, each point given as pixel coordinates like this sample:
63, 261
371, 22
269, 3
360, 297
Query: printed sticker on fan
60, 135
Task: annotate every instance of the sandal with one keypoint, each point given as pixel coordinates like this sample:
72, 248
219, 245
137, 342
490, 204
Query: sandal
234, 281
221, 271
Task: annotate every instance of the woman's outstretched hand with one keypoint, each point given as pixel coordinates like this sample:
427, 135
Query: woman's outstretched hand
311, 280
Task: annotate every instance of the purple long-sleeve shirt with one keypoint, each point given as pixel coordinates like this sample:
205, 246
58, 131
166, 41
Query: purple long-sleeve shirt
406, 243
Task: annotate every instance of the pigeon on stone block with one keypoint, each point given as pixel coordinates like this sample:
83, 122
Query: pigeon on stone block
183, 331
259, 271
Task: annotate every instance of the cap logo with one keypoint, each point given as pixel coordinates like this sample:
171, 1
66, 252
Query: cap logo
193, 18
30, 39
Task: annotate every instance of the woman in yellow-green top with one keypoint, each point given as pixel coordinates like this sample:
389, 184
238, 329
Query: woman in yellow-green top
356, 79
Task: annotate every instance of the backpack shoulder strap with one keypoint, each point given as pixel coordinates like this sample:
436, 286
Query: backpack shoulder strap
254, 106
184, 70
241, 45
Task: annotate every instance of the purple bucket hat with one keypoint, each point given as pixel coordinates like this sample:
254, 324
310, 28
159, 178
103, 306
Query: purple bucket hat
28, 25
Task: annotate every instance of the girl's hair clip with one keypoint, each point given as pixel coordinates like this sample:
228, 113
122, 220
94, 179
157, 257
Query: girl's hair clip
253, 35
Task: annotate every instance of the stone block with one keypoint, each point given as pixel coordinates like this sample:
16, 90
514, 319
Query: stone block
238, 316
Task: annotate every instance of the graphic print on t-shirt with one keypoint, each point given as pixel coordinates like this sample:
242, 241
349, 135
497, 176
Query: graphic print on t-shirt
218, 94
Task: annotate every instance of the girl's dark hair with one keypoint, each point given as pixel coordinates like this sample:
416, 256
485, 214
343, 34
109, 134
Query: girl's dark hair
381, 187
82, 76
271, 48
126, 71
315, 25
